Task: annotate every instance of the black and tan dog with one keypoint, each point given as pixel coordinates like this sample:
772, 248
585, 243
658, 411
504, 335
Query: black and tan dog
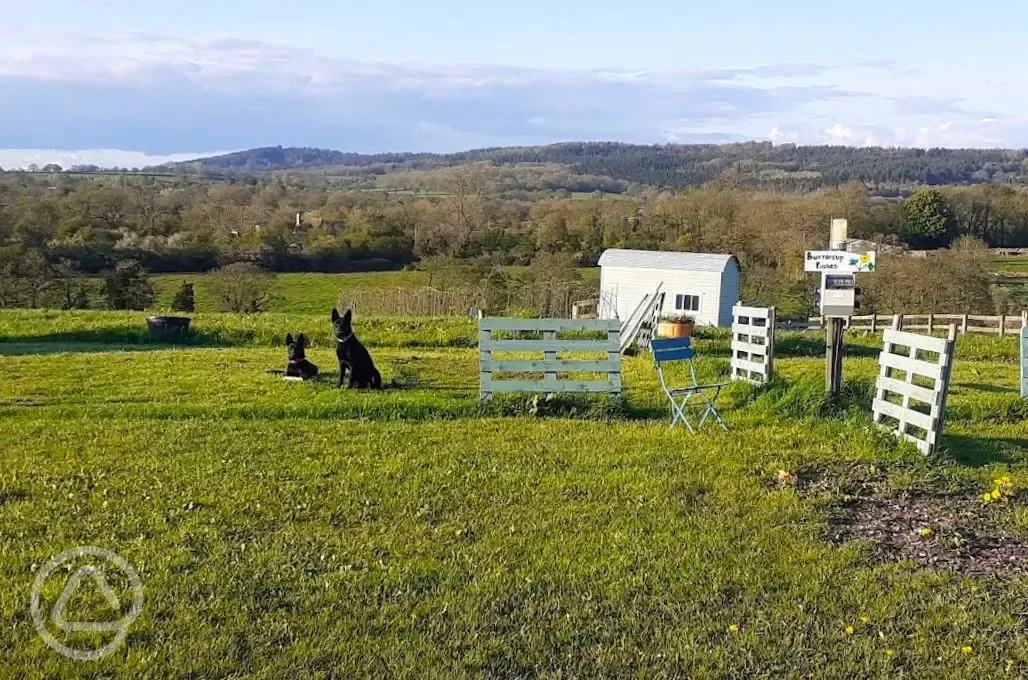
354, 359
299, 366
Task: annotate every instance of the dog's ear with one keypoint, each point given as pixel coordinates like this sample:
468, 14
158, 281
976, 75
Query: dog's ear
335, 314
302, 340
348, 316
289, 339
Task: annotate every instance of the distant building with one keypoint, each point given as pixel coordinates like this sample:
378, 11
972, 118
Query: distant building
860, 245
703, 285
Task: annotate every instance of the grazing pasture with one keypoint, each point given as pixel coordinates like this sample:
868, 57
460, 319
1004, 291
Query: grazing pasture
310, 293
295, 530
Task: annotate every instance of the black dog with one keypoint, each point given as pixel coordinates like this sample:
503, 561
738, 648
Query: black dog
353, 356
299, 366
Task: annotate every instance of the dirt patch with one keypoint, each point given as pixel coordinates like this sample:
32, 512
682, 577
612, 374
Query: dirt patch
936, 526
945, 532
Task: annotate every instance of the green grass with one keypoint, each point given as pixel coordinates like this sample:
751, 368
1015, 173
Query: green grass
1010, 264
295, 530
309, 293
293, 293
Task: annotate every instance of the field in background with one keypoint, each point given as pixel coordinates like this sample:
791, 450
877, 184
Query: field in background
311, 293
297, 530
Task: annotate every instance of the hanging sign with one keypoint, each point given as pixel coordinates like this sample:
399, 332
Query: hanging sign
838, 261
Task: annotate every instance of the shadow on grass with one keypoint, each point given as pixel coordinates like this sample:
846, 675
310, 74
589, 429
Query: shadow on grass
982, 451
983, 387
113, 338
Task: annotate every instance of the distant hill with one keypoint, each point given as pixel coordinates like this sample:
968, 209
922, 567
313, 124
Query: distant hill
757, 164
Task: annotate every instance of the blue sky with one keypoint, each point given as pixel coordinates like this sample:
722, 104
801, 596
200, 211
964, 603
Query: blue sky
137, 81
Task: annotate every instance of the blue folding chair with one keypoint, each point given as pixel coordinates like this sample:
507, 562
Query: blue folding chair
680, 349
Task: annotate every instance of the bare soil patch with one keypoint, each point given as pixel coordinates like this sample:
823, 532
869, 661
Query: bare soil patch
959, 533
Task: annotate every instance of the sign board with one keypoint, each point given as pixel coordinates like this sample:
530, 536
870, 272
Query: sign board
838, 261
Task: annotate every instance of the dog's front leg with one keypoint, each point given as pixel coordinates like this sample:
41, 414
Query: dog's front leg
342, 374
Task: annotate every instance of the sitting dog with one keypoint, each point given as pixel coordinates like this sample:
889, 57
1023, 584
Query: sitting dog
354, 359
299, 366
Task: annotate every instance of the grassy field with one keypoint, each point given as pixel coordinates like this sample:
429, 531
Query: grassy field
1009, 263
296, 530
309, 293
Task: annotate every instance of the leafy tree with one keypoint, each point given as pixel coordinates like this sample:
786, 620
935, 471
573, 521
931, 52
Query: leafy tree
69, 290
929, 219
184, 300
128, 287
242, 287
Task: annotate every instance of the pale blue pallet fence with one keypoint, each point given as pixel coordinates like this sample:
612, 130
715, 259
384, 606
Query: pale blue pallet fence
921, 409
550, 366
1024, 362
753, 343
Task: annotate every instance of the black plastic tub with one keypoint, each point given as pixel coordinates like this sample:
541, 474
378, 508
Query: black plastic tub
168, 328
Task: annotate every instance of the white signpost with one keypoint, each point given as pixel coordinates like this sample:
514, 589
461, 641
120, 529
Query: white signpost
838, 261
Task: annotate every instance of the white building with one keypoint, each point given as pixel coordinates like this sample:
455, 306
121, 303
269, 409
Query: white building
703, 285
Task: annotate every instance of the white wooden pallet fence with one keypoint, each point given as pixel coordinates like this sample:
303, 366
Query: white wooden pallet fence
550, 366
1024, 362
912, 364
753, 343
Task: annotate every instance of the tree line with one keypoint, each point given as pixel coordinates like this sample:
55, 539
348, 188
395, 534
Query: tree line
62, 228
760, 165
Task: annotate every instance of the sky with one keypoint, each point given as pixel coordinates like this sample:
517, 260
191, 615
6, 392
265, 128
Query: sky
131, 83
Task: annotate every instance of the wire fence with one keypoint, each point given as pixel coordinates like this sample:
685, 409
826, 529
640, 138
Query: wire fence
539, 300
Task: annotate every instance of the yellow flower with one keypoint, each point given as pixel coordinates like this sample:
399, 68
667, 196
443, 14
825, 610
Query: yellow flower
890, 652
996, 494
734, 628
925, 531
849, 630
865, 620
966, 649
987, 497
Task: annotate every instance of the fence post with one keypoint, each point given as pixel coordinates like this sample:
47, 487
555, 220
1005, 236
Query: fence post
771, 324
897, 322
1024, 318
551, 376
1002, 325
931, 322
963, 325
874, 323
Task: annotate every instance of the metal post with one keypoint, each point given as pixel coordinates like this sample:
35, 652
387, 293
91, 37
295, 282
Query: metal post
833, 357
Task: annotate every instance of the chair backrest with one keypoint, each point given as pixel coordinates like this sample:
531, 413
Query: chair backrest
672, 350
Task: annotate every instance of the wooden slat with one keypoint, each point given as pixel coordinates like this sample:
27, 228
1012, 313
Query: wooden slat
555, 365
922, 394
925, 368
555, 386
751, 312
755, 331
904, 415
529, 325
748, 365
922, 342
750, 347
557, 345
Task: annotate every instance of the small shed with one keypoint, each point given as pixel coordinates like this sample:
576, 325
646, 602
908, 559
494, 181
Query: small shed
703, 285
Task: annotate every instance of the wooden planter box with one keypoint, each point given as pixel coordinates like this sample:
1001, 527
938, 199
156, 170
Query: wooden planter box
675, 329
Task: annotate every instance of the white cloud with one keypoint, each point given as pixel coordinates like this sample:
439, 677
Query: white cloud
839, 134
11, 159
160, 94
